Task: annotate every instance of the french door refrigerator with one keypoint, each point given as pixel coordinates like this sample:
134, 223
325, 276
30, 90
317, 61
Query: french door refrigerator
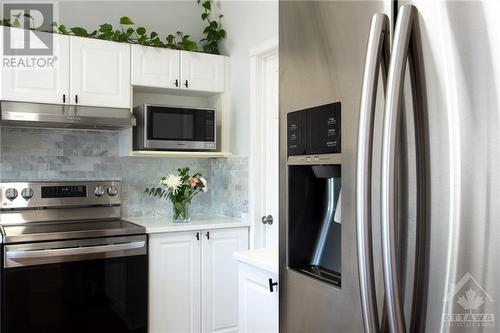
390, 197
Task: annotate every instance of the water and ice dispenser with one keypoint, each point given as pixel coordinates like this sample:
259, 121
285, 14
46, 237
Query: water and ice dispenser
314, 220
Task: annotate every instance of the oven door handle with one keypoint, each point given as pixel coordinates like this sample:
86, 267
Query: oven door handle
62, 254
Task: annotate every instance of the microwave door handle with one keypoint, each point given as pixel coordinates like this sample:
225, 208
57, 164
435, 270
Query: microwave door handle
377, 55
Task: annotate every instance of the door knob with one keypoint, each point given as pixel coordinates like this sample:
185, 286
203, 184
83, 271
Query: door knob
267, 219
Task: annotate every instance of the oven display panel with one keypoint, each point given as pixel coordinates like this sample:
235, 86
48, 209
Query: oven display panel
78, 191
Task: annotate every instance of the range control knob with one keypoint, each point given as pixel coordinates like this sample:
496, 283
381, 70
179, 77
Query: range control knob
113, 190
99, 191
11, 193
27, 193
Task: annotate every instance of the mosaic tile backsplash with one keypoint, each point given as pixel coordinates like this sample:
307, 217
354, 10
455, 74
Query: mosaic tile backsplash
58, 154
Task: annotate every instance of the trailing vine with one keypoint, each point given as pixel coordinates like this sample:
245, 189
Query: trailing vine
128, 33
213, 31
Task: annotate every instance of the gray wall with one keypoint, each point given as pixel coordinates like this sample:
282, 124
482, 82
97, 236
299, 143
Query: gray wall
50, 154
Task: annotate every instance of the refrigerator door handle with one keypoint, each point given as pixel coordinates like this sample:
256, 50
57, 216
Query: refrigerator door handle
406, 47
377, 55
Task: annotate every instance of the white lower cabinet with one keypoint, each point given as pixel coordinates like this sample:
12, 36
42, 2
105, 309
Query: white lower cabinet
193, 280
174, 282
258, 305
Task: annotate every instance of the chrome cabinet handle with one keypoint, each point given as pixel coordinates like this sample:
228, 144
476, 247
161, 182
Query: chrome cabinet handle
377, 55
267, 219
406, 45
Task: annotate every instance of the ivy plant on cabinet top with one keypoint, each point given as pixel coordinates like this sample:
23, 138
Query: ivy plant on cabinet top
128, 33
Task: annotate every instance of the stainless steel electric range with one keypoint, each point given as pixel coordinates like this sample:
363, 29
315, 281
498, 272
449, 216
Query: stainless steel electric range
69, 262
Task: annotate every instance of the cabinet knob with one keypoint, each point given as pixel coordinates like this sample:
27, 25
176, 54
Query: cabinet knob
76, 99
176, 82
64, 98
197, 236
186, 84
267, 219
272, 284
208, 234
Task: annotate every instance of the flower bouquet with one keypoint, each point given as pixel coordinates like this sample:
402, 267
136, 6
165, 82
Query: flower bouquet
180, 189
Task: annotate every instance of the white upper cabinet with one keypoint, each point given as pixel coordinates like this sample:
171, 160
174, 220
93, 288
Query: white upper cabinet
202, 72
220, 278
100, 73
155, 67
174, 282
46, 80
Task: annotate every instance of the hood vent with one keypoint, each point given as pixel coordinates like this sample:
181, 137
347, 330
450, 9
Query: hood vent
23, 114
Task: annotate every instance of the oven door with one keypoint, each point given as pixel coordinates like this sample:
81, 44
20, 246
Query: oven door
91, 285
173, 128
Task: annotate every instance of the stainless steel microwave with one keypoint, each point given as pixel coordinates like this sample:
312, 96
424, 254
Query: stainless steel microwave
174, 128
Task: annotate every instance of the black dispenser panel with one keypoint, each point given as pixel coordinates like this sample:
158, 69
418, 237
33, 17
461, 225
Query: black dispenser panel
315, 130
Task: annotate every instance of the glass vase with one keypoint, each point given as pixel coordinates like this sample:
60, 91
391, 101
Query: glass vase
181, 212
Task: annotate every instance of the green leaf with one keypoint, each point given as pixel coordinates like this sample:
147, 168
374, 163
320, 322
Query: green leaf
106, 35
207, 5
153, 35
93, 34
106, 27
204, 16
214, 25
126, 20
170, 39
141, 31
62, 29
79, 31
130, 31
142, 40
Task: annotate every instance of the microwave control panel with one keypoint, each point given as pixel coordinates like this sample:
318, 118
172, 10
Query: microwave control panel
315, 130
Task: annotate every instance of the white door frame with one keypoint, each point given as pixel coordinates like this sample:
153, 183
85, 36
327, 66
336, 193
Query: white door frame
257, 58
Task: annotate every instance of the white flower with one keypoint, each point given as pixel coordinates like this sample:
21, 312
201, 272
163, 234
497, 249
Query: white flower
172, 182
204, 182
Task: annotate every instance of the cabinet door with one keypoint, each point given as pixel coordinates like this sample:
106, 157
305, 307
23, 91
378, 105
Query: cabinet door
100, 72
155, 67
258, 305
220, 278
202, 72
174, 283
45, 80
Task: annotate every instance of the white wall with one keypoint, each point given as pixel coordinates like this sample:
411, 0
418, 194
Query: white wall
249, 24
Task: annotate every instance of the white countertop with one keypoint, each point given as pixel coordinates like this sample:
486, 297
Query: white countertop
266, 259
161, 224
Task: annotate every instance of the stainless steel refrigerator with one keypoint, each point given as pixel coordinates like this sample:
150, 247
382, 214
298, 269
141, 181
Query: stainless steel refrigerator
397, 228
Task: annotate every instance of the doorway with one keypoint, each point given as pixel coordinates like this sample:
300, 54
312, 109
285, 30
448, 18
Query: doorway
264, 147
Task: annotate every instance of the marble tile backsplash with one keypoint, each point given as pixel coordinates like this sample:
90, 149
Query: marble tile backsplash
60, 154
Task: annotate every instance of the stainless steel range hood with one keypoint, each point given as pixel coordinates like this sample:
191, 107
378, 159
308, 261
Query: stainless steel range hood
67, 116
